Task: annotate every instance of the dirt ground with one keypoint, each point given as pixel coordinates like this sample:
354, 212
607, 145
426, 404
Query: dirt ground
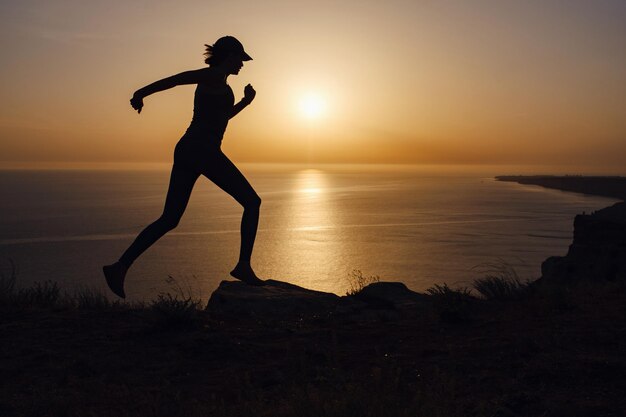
562, 353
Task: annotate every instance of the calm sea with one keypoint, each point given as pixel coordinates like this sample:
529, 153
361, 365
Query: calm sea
317, 225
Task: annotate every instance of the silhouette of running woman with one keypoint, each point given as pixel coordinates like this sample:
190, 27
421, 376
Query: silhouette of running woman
199, 152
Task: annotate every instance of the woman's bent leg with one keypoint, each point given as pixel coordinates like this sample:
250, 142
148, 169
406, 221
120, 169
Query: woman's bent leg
228, 177
182, 181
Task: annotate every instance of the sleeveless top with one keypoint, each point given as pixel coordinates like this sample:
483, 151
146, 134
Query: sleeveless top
211, 113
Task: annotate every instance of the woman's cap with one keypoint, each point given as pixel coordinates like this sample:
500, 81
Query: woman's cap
228, 44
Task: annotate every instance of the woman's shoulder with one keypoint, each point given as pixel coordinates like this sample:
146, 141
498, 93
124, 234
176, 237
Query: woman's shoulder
212, 83
206, 74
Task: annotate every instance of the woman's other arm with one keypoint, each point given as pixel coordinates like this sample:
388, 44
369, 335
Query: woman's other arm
248, 96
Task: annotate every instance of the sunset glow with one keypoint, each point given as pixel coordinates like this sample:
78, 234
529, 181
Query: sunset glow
460, 83
312, 106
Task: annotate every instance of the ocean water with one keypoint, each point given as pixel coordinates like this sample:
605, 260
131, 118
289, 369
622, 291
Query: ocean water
317, 225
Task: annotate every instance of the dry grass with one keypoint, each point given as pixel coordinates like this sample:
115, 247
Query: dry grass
357, 281
501, 282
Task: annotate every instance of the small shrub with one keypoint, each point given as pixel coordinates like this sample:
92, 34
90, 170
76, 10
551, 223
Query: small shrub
357, 281
42, 294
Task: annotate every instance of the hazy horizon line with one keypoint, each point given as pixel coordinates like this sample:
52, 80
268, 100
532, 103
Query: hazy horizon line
502, 169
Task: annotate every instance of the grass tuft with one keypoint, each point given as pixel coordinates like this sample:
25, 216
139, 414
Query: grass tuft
445, 292
453, 305
46, 294
501, 282
176, 310
90, 299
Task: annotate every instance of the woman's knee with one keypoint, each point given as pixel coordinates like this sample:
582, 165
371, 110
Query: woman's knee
169, 222
253, 202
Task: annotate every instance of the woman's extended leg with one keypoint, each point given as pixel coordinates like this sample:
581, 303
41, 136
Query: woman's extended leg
182, 181
228, 177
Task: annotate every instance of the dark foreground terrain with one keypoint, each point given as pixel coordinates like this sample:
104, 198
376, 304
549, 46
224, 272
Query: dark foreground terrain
531, 351
556, 347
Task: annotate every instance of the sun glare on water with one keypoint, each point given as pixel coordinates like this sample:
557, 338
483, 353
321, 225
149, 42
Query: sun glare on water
312, 106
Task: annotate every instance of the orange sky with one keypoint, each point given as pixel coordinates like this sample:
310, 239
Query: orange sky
437, 82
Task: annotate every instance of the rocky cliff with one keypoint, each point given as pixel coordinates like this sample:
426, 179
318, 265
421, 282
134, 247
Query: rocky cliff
598, 251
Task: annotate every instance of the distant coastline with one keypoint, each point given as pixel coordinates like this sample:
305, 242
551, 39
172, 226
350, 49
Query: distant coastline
606, 186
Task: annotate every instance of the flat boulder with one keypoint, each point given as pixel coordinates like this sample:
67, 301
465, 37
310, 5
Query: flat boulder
276, 298
283, 300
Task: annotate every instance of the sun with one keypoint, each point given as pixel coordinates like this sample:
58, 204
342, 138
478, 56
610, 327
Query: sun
312, 106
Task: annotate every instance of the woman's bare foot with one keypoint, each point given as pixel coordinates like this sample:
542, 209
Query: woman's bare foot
115, 274
245, 273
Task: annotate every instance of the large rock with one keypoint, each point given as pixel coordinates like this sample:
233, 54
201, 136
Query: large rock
276, 298
598, 251
279, 299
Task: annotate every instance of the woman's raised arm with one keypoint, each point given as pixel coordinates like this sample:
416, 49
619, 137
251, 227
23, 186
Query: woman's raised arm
187, 77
